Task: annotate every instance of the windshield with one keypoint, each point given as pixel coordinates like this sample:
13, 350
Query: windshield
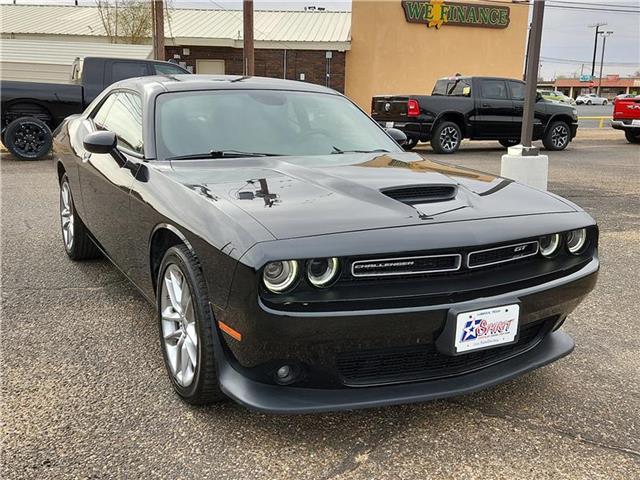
268, 122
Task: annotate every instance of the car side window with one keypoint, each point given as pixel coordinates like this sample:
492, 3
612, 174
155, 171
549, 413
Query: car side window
168, 69
495, 89
517, 90
122, 70
125, 120
100, 116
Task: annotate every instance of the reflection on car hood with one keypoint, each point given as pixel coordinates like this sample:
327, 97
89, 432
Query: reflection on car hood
315, 195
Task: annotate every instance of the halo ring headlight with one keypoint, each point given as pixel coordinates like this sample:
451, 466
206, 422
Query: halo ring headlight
576, 240
280, 276
549, 244
321, 272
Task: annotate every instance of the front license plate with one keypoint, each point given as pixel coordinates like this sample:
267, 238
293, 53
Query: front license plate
390, 124
489, 327
635, 123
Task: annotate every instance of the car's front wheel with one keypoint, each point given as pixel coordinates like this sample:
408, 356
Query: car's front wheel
186, 327
557, 137
446, 137
75, 237
605, 102
632, 136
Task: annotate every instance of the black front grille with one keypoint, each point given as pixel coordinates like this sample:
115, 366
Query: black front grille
421, 193
423, 362
492, 256
406, 265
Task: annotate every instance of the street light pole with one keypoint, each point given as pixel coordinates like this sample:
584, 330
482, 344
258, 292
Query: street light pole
247, 51
533, 60
604, 44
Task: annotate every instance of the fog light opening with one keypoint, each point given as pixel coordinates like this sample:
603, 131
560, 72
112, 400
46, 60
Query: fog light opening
287, 374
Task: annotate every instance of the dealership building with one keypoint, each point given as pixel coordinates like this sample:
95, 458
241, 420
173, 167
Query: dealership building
380, 47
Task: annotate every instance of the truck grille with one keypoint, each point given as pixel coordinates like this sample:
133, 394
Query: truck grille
423, 362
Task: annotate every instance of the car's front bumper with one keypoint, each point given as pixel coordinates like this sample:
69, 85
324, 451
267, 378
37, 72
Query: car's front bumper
314, 339
292, 400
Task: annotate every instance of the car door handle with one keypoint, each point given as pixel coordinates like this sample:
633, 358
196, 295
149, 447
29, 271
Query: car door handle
487, 105
86, 156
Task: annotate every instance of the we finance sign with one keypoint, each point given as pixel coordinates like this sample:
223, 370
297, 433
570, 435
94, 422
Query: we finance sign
436, 13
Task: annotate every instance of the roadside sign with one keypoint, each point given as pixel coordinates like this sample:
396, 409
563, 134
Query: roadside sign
585, 78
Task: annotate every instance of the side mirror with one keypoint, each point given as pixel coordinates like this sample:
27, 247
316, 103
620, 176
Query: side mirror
100, 142
539, 96
398, 135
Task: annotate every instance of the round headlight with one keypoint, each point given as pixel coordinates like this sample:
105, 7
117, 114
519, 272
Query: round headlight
576, 240
549, 244
322, 271
279, 276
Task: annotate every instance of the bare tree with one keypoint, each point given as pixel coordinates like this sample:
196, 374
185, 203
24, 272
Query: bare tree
127, 21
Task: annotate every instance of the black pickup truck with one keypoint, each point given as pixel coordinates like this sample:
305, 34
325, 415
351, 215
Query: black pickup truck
30, 110
478, 108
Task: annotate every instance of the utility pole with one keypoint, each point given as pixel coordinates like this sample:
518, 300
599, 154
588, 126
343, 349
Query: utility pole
157, 15
533, 60
595, 46
604, 44
247, 51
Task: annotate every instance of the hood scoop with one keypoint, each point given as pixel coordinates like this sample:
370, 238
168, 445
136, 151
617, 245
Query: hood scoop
413, 194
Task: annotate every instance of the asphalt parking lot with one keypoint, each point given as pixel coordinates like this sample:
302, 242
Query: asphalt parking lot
588, 115
85, 394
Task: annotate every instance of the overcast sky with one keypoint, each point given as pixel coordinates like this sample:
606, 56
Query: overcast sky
567, 40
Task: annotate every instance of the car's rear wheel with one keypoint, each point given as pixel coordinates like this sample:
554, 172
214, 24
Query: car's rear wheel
511, 142
557, 137
605, 102
446, 138
589, 102
632, 136
28, 138
187, 328
75, 237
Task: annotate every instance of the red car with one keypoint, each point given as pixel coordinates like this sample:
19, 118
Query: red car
626, 116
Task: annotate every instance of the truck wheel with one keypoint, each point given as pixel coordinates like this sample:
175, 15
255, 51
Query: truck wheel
511, 142
28, 138
557, 136
446, 137
410, 145
633, 136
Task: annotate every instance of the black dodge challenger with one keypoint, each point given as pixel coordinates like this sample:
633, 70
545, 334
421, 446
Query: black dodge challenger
300, 260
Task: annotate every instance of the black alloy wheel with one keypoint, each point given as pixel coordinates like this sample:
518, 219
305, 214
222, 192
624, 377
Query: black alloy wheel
28, 138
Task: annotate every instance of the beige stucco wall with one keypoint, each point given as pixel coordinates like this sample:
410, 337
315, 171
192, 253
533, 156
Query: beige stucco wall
389, 55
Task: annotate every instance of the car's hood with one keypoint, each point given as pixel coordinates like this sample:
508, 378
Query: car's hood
302, 196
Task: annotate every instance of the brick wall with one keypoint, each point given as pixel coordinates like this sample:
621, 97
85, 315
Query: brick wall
270, 62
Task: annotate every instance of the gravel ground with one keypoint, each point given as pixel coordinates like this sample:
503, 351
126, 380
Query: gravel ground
85, 395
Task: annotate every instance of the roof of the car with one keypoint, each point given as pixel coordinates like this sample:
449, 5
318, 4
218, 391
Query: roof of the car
179, 83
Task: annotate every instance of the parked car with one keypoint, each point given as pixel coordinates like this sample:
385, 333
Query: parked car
556, 96
479, 108
626, 117
591, 99
301, 261
31, 110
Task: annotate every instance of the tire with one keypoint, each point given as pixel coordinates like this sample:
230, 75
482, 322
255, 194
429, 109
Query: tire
605, 102
75, 237
187, 328
446, 137
632, 136
28, 138
589, 102
410, 145
509, 142
557, 137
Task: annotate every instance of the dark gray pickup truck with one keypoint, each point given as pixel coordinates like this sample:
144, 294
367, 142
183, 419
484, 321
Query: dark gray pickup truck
30, 110
478, 108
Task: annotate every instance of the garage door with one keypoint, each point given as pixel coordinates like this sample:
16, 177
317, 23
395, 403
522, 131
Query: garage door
211, 67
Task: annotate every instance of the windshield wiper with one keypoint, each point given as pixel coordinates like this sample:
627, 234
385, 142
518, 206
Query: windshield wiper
337, 150
222, 154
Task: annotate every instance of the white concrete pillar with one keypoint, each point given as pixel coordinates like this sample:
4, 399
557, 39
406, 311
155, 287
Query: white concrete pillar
532, 170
